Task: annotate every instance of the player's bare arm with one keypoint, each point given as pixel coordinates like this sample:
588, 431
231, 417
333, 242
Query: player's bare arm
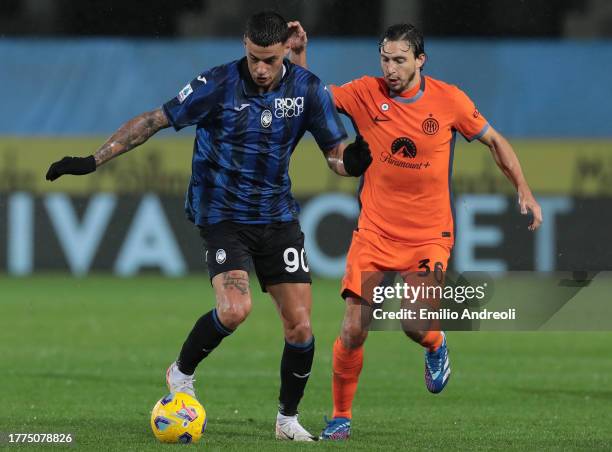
349, 160
297, 43
334, 158
130, 135
345, 160
508, 163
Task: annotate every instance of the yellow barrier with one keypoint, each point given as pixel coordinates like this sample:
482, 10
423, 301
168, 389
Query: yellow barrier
162, 165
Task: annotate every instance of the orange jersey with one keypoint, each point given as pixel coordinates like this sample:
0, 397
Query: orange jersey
406, 192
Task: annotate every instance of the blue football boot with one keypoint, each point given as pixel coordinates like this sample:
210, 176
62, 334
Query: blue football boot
437, 368
338, 429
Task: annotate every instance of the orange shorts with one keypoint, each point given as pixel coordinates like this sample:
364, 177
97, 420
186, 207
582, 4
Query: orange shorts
371, 252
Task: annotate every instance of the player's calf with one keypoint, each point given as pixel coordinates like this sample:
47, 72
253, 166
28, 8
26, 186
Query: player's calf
296, 365
357, 317
205, 336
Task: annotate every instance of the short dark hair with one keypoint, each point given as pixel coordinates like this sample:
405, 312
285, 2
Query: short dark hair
267, 28
405, 32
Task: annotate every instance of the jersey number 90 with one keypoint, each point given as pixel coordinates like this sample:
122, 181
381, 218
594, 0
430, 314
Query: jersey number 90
294, 259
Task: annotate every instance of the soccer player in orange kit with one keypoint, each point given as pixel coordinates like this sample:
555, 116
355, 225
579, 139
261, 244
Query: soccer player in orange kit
406, 222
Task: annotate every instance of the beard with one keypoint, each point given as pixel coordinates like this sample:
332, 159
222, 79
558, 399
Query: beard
404, 86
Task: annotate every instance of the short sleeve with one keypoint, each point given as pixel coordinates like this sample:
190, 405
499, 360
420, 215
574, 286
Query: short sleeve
345, 98
324, 122
468, 120
194, 102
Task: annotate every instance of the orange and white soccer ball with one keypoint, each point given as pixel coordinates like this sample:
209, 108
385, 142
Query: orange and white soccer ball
178, 418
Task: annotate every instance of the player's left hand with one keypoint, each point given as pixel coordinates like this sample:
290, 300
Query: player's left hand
357, 157
298, 38
528, 204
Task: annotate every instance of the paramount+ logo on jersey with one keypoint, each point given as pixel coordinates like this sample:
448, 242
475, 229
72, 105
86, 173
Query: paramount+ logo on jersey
288, 107
403, 150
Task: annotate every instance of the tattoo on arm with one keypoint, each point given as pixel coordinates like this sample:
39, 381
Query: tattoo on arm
238, 281
131, 134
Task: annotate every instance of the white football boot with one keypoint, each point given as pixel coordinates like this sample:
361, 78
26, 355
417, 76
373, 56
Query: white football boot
177, 381
288, 428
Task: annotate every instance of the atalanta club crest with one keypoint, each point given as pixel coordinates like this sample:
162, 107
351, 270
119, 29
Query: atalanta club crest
220, 256
404, 145
266, 118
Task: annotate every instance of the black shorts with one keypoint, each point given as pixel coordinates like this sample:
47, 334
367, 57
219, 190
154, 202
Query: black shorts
275, 250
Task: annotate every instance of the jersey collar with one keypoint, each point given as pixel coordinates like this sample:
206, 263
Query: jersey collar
248, 85
411, 99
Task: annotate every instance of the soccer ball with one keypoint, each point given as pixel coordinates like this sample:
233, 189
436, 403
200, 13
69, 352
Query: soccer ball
178, 418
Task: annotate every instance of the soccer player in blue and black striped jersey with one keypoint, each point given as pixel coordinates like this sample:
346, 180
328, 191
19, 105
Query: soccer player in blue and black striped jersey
249, 116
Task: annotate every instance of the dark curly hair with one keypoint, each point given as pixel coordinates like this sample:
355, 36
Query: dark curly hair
267, 28
405, 32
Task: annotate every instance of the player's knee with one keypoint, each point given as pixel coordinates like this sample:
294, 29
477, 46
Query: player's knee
299, 332
232, 314
353, 335
413, 333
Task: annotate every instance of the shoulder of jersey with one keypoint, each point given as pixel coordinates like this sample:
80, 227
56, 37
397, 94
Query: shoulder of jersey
302, 73
217, 75
439, 85
366, 83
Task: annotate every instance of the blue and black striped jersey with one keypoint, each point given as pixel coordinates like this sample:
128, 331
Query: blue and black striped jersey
244, 140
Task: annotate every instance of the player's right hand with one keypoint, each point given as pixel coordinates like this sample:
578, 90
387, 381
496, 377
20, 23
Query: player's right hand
357, 157
71, 165
529, 205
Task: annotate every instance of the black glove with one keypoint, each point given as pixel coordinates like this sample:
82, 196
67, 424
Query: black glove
72, 165
357, 157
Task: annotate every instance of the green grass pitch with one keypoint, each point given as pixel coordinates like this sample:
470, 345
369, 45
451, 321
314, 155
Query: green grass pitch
88, 356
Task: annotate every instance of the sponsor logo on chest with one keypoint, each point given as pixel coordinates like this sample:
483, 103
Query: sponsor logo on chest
288, 107
403, 151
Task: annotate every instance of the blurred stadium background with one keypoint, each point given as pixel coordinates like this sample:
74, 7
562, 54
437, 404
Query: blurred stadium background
72, 72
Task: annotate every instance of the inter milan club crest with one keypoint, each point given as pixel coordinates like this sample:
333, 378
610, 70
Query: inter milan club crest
405, 145
430, 126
